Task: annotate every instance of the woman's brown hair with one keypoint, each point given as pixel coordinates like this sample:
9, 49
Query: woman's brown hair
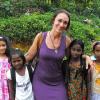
61, 11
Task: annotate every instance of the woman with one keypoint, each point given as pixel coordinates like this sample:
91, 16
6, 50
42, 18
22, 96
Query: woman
48, 83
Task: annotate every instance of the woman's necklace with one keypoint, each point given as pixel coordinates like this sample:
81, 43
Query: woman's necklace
55, 49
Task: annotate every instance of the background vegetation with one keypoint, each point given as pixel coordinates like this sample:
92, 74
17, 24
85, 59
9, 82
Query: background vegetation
22, 19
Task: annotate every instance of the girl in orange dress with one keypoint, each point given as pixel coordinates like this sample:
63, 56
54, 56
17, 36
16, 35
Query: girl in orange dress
96, 72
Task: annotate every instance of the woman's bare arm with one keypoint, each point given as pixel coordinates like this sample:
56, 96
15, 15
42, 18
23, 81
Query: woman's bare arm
34, 48
68, 41
89, 62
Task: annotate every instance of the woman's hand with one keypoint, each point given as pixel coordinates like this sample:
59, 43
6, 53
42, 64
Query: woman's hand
89, 62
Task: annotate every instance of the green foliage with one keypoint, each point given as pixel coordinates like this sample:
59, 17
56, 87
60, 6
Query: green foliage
25, 27
18, 7
83, 32
24, 24
6, 9
87, 32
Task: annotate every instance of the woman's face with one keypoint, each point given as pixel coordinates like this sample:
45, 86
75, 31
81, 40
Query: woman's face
60, 22
97, 51
2, 47
17, 61
76, 51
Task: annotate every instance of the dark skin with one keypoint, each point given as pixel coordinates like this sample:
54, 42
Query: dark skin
75, 62
17, 63
76, 52
97, 53
11, 90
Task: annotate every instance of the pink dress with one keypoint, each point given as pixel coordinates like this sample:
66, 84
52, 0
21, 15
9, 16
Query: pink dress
4, 66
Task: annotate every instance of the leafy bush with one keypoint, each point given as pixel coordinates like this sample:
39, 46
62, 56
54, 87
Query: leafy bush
24, 28
18, 7
83, 32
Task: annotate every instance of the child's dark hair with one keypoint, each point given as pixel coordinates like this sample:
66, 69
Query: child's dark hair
18, 52
13, 75
74, 42
79, 42
97, 43
6, 40
82, 70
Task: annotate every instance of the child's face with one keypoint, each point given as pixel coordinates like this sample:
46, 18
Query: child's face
97, 51
2, 47
17, 61
76, 51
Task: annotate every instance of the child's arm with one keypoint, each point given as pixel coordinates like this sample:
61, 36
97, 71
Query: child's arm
10, 86
11, 90
90, 70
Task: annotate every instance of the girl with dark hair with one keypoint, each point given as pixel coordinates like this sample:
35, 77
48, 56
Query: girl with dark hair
76, 79
95, 72
4, 66
19, 77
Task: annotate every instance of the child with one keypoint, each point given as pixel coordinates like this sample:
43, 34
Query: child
4, 66
96, 72
19, 77
93, 56
76, 72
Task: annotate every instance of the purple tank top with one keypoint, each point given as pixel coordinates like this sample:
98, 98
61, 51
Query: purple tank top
49, 68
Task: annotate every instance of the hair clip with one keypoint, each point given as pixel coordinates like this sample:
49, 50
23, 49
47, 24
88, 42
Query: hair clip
17, 48
1, 37
96, 42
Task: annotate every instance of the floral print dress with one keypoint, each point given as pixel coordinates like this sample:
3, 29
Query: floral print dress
4, 66
76, 89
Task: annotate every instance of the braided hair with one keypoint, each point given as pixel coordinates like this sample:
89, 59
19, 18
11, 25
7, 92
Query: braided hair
82, 70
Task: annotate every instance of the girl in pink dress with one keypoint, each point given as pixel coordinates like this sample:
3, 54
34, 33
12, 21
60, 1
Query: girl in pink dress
4, 66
